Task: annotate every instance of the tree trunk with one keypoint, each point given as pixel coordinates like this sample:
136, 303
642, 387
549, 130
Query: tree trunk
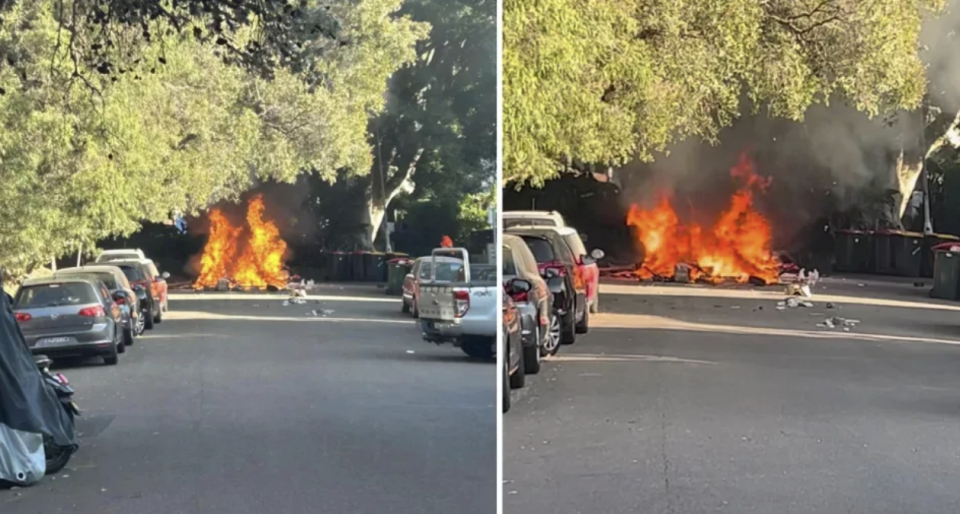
387, 181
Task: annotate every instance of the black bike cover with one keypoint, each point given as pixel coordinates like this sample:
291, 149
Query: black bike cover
27, 405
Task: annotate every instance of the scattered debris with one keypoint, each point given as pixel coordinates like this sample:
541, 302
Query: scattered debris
286, 302
806, 303
834, 322
326, 312
411, 352
830, 305
792, 302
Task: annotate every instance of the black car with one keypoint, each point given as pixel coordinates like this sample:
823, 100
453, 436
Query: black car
514, 375
555, 259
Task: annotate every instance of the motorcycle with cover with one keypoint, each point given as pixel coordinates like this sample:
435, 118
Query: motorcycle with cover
37, 435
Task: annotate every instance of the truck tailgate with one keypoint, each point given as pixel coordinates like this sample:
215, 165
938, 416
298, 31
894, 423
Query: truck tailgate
436, 302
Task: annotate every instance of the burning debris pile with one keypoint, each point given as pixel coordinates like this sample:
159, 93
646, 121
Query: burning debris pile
737, 247
249, 257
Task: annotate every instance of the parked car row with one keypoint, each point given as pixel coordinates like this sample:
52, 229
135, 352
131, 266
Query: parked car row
96, 310
551, 287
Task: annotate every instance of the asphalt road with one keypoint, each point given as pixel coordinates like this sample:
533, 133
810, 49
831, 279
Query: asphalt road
695, 400
237, 404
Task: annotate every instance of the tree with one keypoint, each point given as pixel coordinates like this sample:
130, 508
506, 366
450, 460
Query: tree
437, 136
610, 82
85, 158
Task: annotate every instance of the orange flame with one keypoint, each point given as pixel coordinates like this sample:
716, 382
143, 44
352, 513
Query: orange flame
446, 242
737, 246
261, 263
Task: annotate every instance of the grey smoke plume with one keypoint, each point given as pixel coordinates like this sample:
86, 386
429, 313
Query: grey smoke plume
827, 162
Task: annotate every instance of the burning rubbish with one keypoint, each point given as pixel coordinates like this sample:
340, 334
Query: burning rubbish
242, 257
736, 248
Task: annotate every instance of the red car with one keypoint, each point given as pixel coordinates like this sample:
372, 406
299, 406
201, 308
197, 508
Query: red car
586, 264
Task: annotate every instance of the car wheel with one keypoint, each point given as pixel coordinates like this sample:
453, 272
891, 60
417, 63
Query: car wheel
478, 348
128, 337
140, 324
584, 326
519, 377
148, 322
552, 338
112, 358
568, 328
531, 355
506, 386
118, 341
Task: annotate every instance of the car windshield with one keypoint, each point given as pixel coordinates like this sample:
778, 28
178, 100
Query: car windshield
541, 248
483, 272
55, 295
448, 271
132, 272
575, 244
509, 266
107, 278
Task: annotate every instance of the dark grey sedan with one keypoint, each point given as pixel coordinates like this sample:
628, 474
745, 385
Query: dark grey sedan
121, 292
70, 317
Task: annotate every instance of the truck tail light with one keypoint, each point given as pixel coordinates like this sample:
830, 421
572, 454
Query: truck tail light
461, 303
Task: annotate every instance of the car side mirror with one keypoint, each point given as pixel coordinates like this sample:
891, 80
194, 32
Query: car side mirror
519, 285
164, 275
587, 260
597, 254
550, 273
555, 283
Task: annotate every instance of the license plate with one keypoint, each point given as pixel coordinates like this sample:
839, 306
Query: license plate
53, 341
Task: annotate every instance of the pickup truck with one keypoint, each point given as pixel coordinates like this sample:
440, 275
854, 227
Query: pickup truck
462, 311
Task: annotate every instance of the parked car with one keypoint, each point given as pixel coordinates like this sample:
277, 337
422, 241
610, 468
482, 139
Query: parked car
139, 275
122, 254
587, 263
121, 291
514, 373
70, 317
462, 311
555, 258
533, 219
528, 289
447, 269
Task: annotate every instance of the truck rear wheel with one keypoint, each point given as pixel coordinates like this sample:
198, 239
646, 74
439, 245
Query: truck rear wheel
478, 348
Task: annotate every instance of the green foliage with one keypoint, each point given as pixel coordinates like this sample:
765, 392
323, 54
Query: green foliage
444, 103
607, 82
473, 212
85, 158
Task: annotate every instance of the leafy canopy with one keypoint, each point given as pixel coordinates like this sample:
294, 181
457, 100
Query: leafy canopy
87, 157
607, 82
